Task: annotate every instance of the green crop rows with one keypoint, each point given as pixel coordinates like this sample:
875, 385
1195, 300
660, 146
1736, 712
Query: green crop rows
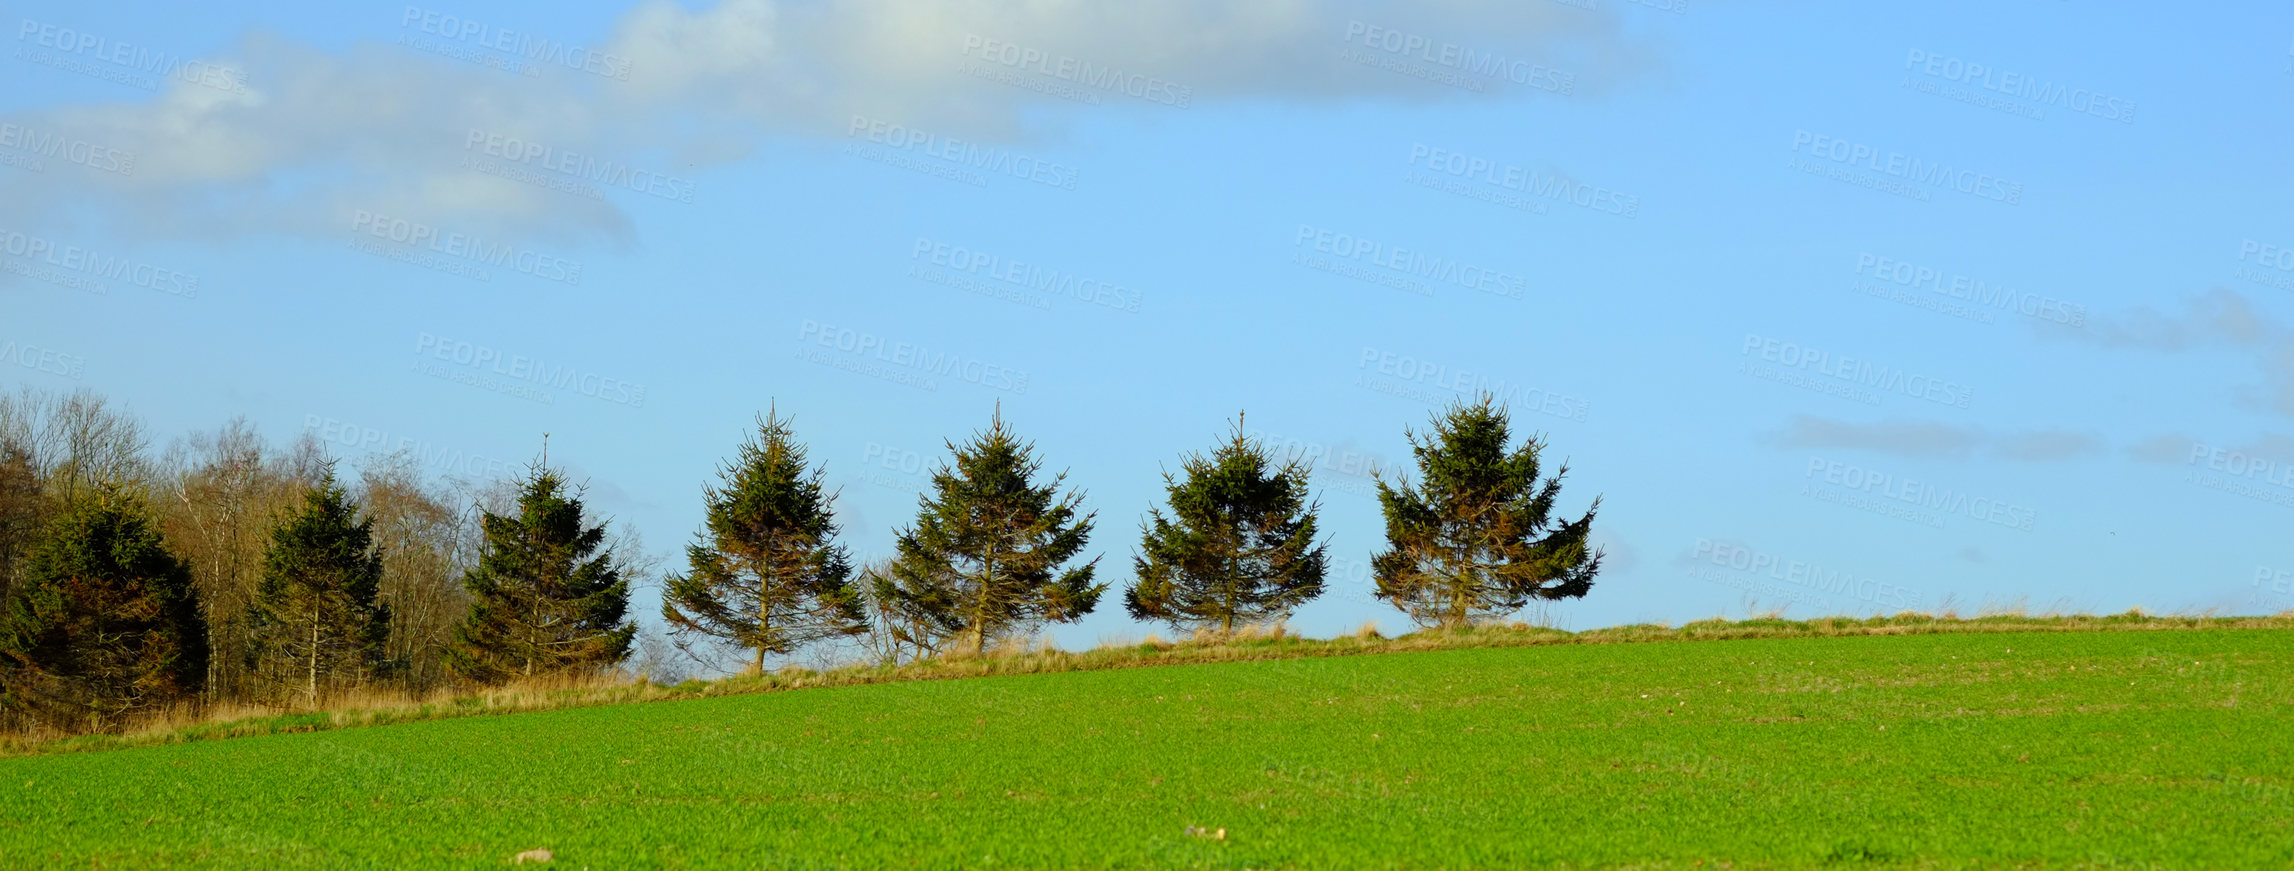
2121, 749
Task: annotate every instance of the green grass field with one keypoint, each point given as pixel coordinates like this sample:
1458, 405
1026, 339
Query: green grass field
2108, 749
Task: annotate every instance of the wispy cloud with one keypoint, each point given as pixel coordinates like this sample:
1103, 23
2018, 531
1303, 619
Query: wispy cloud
2179, 449
2213, 321
1925, 440
317, 135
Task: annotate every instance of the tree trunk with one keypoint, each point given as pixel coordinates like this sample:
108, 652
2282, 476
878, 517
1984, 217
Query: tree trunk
1458, 588
980, 606
764, 609
1234, 595
533, 634
312, 691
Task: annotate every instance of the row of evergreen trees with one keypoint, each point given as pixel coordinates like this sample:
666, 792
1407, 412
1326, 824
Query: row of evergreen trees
996, 546
99, 620
103, 621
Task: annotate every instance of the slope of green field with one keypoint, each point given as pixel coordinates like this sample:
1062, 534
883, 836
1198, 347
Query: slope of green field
2127, 749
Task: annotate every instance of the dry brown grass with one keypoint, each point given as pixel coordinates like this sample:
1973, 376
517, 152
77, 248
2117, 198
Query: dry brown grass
1245, 633
1039, 656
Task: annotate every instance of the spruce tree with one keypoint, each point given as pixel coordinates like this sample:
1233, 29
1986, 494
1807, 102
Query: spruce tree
1475, 538
765, 572
990, 548
316, 624
1238, 545
545, 596
103, 622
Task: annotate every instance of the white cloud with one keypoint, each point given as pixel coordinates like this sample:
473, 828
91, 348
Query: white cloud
317, 134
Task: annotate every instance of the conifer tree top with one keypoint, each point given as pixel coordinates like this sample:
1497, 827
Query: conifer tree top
1475, 536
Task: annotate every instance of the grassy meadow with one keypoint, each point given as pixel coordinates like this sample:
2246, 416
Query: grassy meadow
1971, 749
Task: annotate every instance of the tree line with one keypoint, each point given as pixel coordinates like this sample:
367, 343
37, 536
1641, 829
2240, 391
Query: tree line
231, 571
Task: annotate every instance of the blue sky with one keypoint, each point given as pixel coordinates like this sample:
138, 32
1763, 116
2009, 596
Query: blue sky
1838, 307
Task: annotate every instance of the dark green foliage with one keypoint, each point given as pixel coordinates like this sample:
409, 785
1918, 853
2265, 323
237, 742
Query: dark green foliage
315, 624
989, 549
545, 596
1238, 545
1474, 539
21, 506
103, 623
765, 572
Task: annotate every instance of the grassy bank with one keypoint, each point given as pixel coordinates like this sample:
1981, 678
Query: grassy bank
2064, 743
1253, 645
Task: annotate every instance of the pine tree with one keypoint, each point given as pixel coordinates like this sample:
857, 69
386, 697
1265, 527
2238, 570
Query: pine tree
1474, 538
103, 623
1238, 545
765, 572
989, 551
545, 595
316, 624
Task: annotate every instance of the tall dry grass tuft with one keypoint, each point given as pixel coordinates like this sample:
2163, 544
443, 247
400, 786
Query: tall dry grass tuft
1246, 633
1274, 631
2016, 607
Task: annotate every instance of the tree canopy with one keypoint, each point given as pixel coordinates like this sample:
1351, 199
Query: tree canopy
1476, 537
